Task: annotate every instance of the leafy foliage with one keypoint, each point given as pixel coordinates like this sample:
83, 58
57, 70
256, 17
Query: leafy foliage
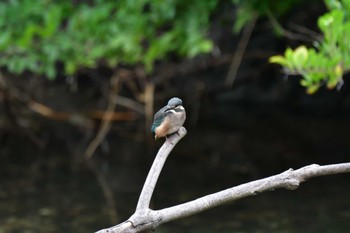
330, 59
129, 32
37, 35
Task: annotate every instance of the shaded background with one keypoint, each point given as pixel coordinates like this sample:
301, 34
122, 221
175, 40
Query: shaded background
261, 125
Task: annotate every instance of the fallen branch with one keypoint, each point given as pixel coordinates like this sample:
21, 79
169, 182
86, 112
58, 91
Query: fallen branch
145, 218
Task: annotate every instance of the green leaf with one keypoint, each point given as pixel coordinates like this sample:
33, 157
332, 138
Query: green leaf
312, 89
288, 54
5, 39
325, 21
333, 4
278, 60
299, 57
304, 83
244, 15
335, 77
50, 72
70, 67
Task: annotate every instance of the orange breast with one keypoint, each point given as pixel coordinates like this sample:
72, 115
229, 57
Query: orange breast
163, 129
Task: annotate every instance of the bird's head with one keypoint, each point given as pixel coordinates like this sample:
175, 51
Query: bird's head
175, 105
174, 102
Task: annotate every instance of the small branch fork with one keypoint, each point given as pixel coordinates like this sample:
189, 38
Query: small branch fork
145, 218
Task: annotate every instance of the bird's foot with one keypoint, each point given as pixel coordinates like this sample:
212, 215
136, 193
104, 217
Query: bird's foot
168, 140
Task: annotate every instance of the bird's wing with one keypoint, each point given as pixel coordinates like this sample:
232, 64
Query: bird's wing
159, 117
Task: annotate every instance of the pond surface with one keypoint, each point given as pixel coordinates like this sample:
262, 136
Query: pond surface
47, 193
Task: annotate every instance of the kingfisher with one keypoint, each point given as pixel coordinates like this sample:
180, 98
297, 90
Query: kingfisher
169, 119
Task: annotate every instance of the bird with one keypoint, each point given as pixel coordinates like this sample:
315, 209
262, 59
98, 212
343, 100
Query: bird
169, 119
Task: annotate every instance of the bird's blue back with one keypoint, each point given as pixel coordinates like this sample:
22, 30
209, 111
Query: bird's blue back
158, 118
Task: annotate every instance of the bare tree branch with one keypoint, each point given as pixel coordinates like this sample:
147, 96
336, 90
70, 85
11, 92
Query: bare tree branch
146, 219
157, 166
289, 179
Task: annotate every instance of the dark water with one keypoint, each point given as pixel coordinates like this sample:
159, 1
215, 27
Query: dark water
46, 193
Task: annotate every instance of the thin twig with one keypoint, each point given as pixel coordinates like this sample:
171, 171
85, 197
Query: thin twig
129, 103
287, 33
106, 122
306, 31
238, 55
